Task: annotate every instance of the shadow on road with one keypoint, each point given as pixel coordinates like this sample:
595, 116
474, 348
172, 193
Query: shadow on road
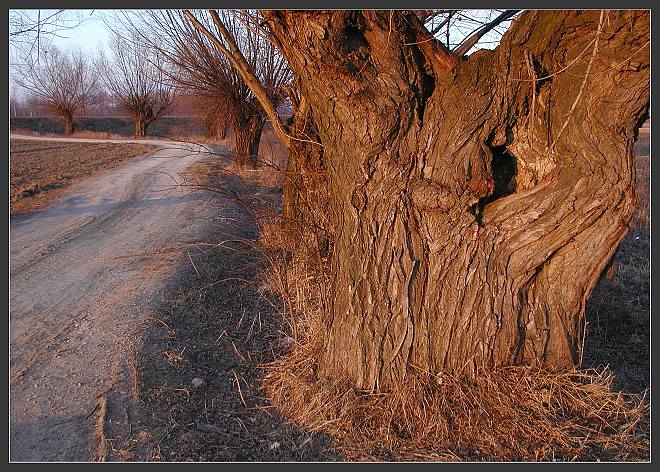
214, 324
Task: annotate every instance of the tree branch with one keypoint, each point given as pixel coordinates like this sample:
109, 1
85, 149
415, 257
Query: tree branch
466, 45
236, 58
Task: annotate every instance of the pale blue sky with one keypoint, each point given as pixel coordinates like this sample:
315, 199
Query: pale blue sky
88, 34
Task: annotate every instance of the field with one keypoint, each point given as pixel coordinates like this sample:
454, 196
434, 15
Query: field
39, 169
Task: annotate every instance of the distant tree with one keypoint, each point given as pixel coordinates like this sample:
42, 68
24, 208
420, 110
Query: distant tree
63, 82
134, 76
199, 67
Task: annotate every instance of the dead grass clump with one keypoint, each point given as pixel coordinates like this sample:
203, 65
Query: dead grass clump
516, 413
94, 135
642, 217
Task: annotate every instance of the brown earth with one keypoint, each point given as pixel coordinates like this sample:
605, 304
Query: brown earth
39, 168
86, 274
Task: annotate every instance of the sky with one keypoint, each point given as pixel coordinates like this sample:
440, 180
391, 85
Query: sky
87, 31
76, 29
88, 35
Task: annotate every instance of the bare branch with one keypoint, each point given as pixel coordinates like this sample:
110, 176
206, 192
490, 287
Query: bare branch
235, 56
469, 43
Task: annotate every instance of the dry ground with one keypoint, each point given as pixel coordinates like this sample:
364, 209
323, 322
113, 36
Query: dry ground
218, 325
37, 169
216, 322
86, 274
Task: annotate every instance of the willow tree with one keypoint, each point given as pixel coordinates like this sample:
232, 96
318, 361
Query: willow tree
474, 200
62, 82
201, 69
135, 77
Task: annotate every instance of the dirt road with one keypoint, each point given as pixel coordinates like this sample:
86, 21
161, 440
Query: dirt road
84, 275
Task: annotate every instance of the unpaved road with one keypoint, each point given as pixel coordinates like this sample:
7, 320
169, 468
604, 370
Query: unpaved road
84, 276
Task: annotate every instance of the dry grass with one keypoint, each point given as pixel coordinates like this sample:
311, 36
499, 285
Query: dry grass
517, 413
38, 169
95, 135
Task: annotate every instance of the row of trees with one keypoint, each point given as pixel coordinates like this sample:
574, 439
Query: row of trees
68, 82
157, 55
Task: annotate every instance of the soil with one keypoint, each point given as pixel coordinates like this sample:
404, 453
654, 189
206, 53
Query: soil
38, 168
85, 276
215, 324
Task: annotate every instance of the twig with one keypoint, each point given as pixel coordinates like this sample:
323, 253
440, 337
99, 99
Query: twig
193, 264
532, 72
584, 338
238, 384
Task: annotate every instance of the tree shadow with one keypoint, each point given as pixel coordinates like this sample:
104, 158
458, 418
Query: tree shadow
214, 323
71, 434
619, 309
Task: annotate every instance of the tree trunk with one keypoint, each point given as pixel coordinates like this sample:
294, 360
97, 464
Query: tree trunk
69, 122
216, 126
305, 204
140, 124
221, 130
473, 207
247, 131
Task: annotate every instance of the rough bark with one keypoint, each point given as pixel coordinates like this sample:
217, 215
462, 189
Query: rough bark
305, 204
247, 132
68, 121
473, 207
140, 124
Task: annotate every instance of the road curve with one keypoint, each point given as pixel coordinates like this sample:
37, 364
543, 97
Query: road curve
85, 275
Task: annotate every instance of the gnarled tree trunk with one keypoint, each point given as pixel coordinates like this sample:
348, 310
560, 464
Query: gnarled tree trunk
247, 132
305, 205
141, 122
475, 201
68, 121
